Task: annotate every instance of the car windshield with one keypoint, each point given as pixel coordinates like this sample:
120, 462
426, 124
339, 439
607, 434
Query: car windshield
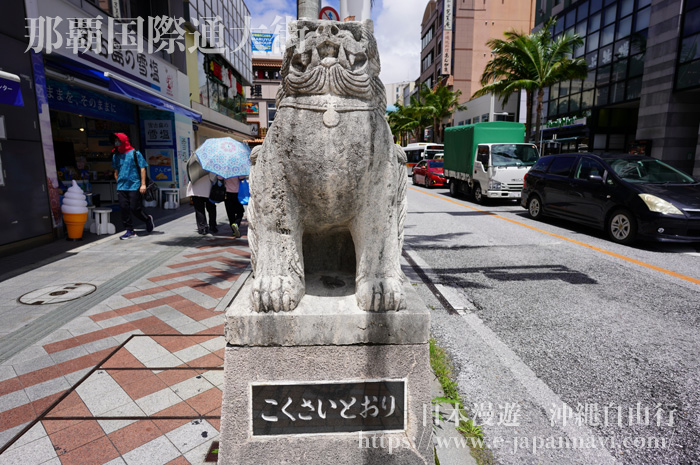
649, 170
435, 164
513, 155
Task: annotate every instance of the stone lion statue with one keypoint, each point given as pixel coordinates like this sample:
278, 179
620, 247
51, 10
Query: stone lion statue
328, 185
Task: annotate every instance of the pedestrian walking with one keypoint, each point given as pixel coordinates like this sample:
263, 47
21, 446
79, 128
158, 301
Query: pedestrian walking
234, 209
130, 172
199, 191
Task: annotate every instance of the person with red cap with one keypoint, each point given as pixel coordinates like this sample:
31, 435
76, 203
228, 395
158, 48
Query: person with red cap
130, 172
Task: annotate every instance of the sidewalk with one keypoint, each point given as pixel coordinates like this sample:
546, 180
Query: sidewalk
116, 356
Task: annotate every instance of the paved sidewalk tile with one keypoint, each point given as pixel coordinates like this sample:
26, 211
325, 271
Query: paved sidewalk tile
137, 377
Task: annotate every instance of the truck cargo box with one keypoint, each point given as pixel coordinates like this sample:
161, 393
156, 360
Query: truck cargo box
461, 141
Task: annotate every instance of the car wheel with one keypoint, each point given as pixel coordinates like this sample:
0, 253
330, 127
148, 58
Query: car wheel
453, 188
414, 179
426, 182
622, 227
478, 195
534, 207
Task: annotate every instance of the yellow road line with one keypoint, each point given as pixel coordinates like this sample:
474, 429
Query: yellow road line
574, 241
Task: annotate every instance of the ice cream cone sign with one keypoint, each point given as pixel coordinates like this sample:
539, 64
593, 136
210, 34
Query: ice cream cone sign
75, 211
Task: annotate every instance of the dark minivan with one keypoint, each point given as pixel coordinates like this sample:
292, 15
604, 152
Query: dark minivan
629, 196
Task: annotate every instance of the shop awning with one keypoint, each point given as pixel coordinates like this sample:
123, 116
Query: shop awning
10, 92
136, 92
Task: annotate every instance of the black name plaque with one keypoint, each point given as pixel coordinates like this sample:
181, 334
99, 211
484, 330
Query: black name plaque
338, 407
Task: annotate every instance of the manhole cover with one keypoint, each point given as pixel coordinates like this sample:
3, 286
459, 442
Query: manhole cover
57, 294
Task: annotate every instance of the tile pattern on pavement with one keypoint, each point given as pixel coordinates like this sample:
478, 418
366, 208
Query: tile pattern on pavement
137, 378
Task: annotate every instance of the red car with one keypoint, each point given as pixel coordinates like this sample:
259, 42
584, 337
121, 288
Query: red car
429, 173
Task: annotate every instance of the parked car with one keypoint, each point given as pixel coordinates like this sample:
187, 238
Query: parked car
628, 196
429, 173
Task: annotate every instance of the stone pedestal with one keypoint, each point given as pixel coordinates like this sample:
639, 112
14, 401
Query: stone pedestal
291, 378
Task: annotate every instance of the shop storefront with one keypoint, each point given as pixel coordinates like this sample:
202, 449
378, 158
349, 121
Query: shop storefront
93, 93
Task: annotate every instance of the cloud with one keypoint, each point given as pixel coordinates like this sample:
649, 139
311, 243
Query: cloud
397, 29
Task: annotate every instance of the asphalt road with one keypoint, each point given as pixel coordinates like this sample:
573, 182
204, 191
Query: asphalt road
569, 347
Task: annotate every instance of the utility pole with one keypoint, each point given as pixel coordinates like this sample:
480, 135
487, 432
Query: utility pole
308, 9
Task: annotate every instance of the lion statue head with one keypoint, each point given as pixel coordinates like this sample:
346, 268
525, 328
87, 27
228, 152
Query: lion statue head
329, 57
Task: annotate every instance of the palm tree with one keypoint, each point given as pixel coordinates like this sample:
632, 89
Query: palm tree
409, 119
440, 103
531, 62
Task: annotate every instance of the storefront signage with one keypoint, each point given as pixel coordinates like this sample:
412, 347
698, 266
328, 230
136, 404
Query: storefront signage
346, 407
93, 42
252, 108
160, 164
262, 41
448, 15
10, 93
158, 132
65, 97
565, 121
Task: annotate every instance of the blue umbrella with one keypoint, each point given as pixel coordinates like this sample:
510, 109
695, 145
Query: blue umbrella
224, 156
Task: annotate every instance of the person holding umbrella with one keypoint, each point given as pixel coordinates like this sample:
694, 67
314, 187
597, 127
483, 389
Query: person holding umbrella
229, 159
199, 191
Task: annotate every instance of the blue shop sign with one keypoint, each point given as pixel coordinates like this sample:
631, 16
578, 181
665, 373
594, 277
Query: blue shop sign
262, 41
73, 99
10, 93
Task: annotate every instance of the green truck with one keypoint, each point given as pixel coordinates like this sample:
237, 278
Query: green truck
488, 160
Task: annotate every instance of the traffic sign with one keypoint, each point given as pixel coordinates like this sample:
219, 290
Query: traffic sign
329, 13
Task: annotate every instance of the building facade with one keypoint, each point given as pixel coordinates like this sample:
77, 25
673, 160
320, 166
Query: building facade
218, 79
454, 35
262, 109
396, 91
642, 93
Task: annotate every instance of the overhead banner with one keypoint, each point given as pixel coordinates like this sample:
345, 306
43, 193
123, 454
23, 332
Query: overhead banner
262, 41
448, 15
73, 99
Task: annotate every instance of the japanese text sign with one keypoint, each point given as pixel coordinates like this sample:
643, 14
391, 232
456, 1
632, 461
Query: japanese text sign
347, 407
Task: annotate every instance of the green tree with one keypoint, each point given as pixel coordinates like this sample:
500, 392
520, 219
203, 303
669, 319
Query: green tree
440, 103
531, 62
409, 119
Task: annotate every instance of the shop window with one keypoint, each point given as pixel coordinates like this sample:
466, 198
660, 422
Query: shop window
574, 103
587, 99
554, 91
589, 82
691, 24
592, 43
559, 27
638, 42
580, 50
563, 88
601, 97
619, 70
581, 28
688, 75
563, 106
582, 11
592, 60
552, 110
603, 75
575, 86
608, 2
609, 15
634, 88
624, 28
636, 65
594, 22
606, 55
596, 5
643, 3
570, 19
622, 49
607, 36
642, 19
689, 49
484, 117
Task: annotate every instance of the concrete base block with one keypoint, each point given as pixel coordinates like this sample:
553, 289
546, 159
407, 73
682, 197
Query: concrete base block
309, 364
327, 315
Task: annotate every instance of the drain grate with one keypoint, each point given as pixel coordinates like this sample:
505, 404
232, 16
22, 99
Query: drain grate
57, 294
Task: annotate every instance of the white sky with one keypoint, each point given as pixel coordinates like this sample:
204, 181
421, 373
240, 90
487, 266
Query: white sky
396, 28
